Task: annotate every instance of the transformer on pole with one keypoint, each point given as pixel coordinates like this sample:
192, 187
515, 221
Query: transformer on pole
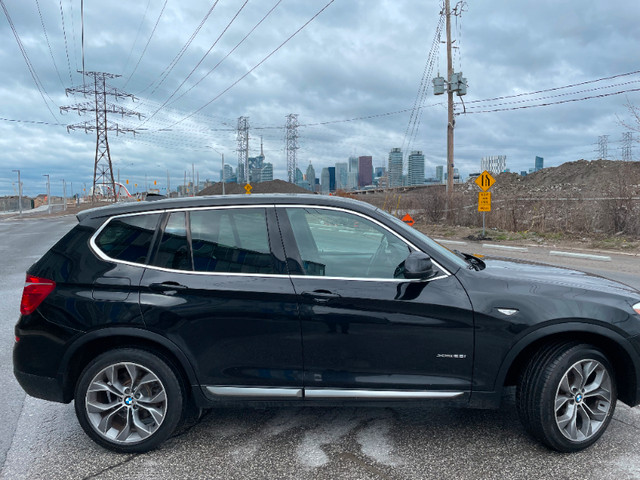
292, 146
243, 150
103, 168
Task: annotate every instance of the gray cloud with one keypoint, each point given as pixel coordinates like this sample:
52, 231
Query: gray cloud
357, 59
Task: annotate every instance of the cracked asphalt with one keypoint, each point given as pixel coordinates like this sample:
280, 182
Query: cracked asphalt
43, 440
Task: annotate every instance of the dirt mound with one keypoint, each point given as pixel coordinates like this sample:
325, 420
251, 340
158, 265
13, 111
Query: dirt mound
274, 186
580, 177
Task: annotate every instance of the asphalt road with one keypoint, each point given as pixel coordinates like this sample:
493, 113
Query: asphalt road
43, 440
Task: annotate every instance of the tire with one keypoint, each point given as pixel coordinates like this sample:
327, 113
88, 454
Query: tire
566, 395
129, 400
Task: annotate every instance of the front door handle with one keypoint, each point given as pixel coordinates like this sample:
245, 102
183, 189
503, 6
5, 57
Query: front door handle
167, 287
321, 296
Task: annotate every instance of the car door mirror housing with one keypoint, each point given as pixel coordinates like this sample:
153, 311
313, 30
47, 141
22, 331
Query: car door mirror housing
418, 265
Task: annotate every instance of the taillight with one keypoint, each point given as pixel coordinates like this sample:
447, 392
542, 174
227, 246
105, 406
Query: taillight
35, 291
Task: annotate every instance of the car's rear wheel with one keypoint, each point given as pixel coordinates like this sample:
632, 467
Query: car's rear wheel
567, 395
128, 400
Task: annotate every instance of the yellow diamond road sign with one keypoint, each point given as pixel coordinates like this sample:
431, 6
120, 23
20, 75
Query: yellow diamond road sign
484, 201
485, 180
248, 188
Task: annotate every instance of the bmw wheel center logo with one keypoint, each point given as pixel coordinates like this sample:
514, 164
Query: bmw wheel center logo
128, 401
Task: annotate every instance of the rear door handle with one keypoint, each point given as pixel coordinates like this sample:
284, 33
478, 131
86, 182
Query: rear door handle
321, 296
166, 287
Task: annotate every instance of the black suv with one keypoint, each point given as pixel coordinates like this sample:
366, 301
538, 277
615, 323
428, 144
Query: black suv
146, 311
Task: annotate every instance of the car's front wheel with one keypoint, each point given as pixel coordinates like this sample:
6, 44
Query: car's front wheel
128, 400
567, 395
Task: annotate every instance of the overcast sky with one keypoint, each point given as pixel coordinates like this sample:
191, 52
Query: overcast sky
358, 58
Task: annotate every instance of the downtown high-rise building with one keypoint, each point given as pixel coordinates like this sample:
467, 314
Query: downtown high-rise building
494, 164
365, 170
395, 167
266, 175
311, 175
415, 174
440, 173
342, 176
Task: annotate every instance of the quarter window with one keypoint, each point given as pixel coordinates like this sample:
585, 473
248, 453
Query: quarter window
339, 244
128, 238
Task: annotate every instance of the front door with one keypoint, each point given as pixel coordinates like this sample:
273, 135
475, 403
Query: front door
367, 331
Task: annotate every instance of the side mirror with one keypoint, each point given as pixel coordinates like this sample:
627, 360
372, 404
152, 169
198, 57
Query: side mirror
418, 265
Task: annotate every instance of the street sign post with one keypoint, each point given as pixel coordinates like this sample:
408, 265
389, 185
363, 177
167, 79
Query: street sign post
248, 188
485, 181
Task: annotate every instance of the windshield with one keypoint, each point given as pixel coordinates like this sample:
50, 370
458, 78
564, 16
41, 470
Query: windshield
445, 252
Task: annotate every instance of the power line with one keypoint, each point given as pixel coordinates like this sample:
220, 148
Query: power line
555, 88
228, 54
32, 71
602, 95
46, 36
66, 47
199, 62
595, 89
144, 16
73, 31
255, 66
147, 45
424, 82
33, 122
167, 71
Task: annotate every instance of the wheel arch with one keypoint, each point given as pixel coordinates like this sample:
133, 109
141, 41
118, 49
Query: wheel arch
624, 359
89, 346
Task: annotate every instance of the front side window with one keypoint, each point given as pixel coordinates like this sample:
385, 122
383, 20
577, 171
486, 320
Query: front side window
128, 238
334, 243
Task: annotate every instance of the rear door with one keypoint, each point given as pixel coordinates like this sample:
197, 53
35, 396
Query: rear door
366, 330
218, 287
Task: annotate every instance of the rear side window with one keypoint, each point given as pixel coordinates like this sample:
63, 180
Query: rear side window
128, 238
173, 251
231, 241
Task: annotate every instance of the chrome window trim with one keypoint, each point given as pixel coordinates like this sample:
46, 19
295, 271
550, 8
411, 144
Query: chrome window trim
273, 392
393, 232
105, 257
337, 393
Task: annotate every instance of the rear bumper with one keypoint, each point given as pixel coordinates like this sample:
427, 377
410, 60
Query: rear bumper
45, 388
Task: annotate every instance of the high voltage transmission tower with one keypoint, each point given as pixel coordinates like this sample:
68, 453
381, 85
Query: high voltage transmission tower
627, 141
603, 147
243, 149
103, 168
292, 146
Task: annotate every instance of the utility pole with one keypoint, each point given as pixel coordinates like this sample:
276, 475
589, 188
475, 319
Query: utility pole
64, 194
19, 192
450, 117
222, 173
103, 168
455, 83
48, 194
168, 185
193, 180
